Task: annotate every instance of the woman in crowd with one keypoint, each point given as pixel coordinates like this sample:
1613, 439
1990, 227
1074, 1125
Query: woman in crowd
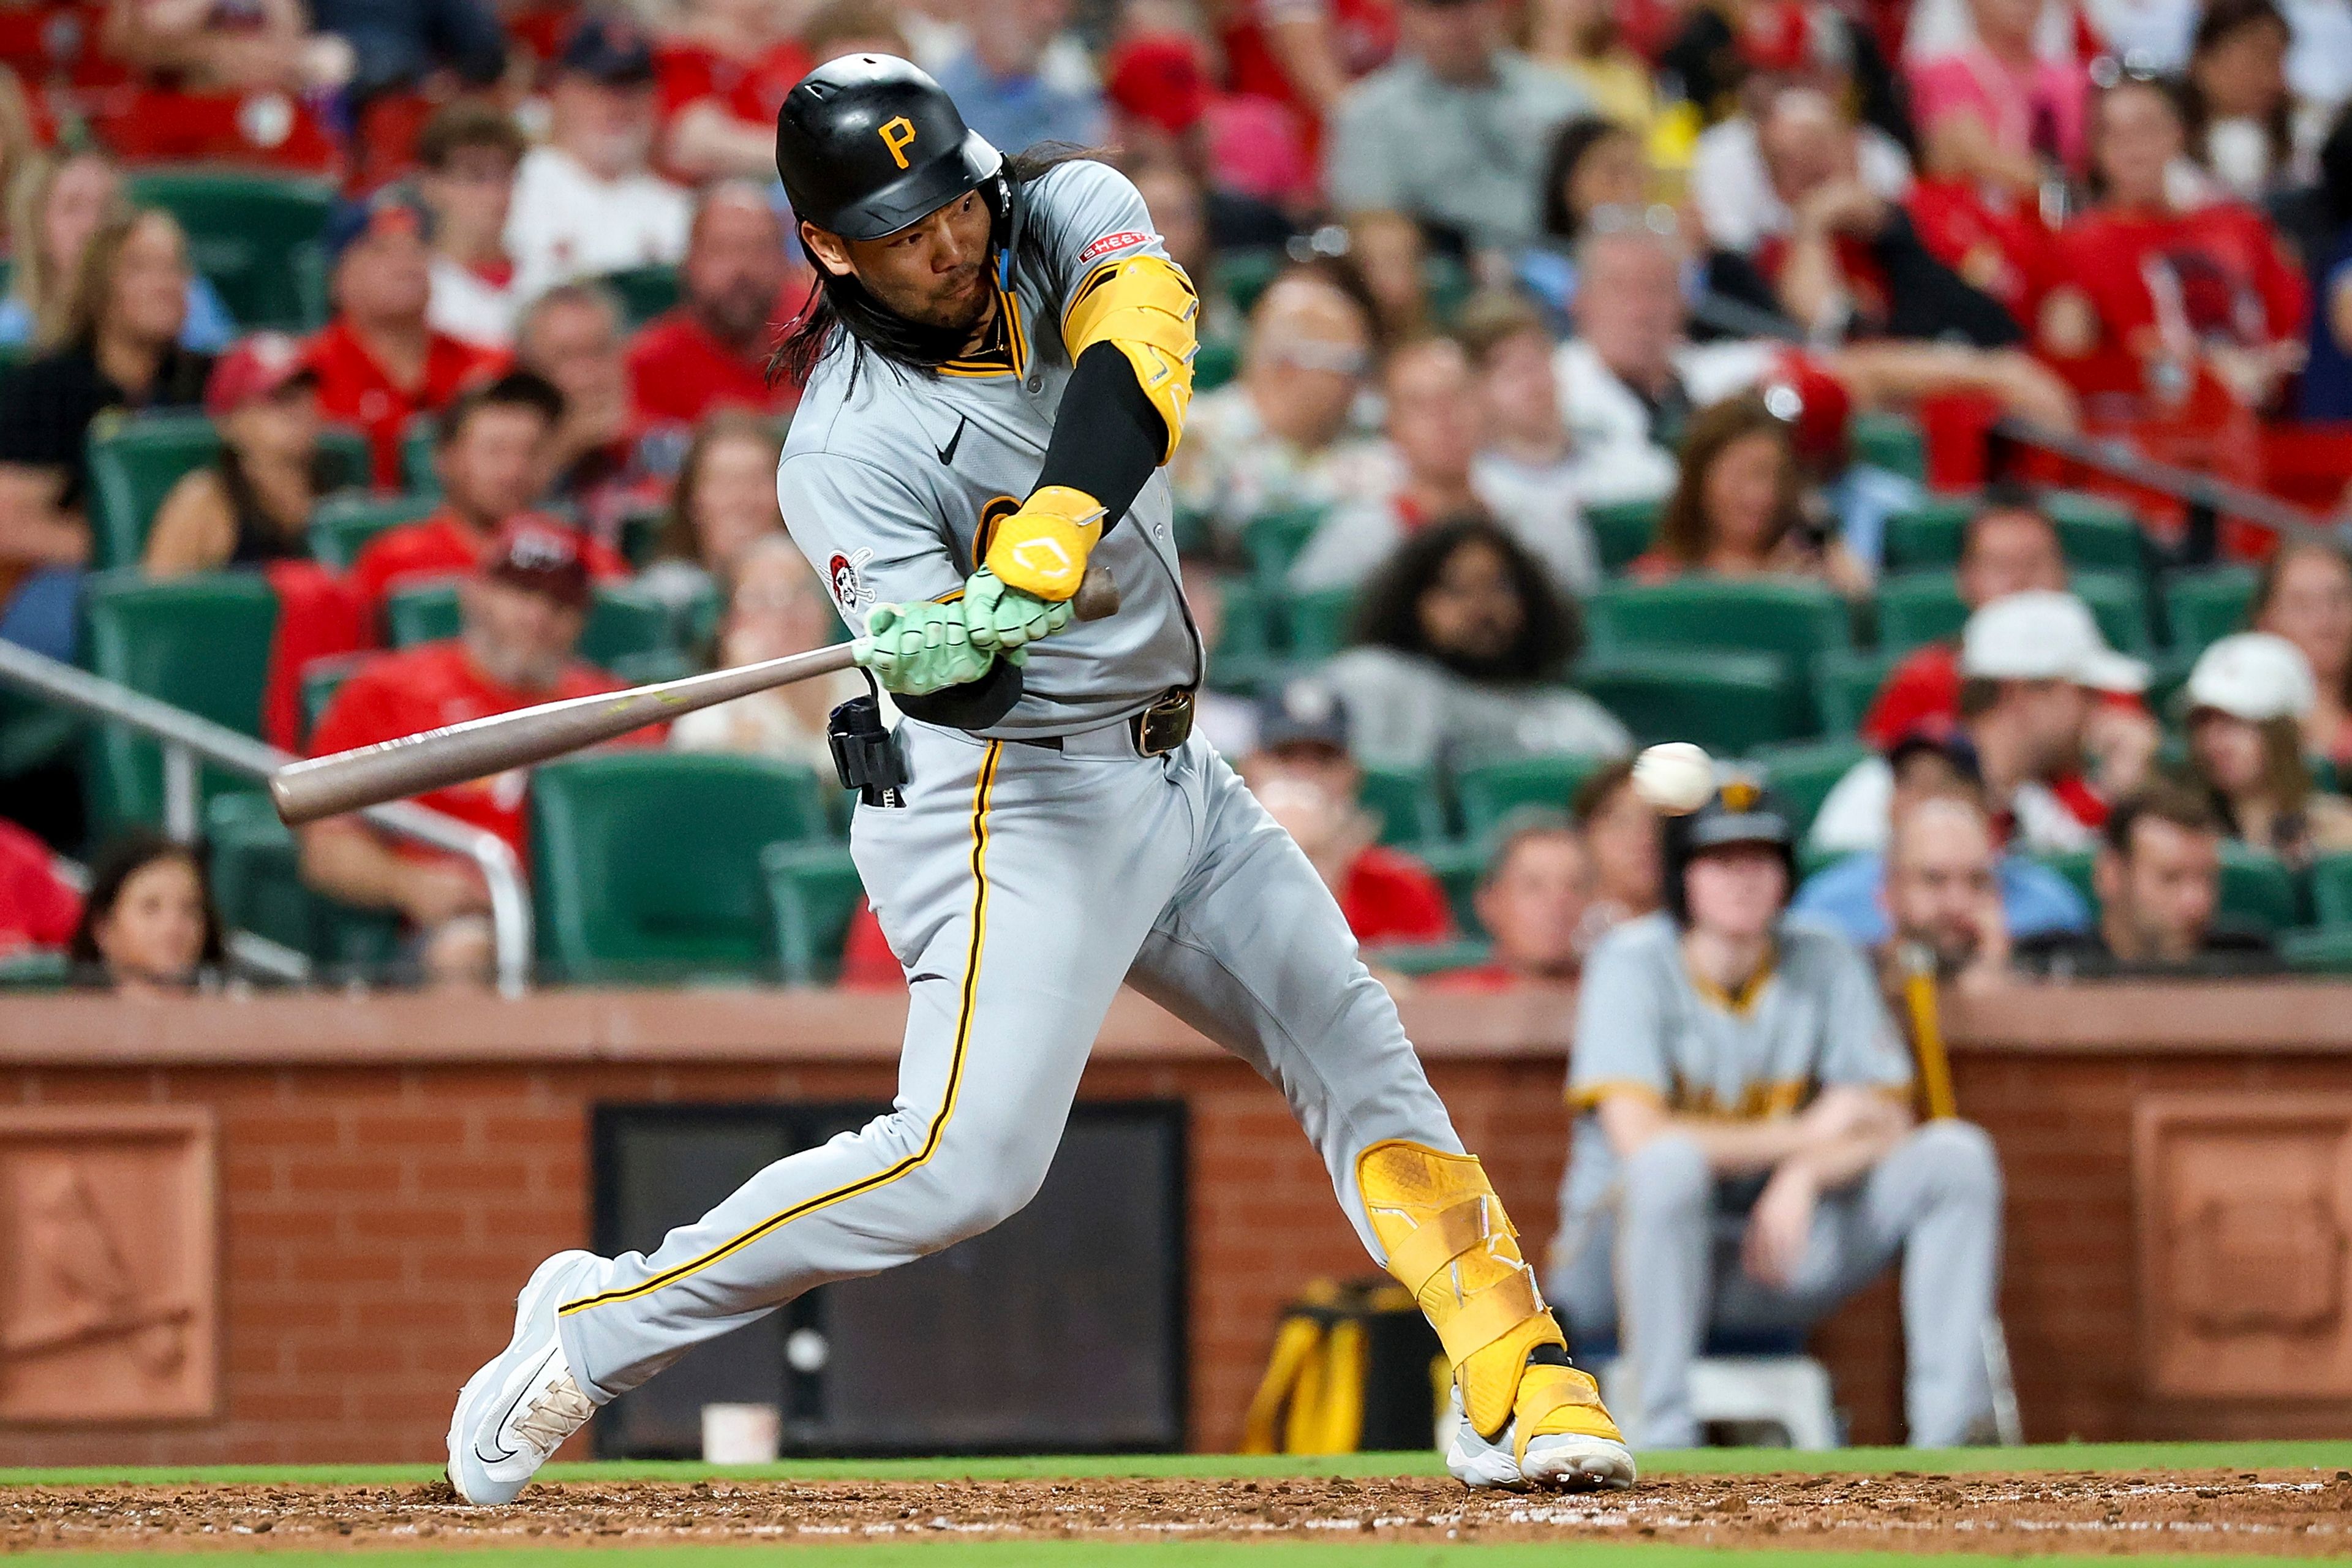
1584, 38
2239, 114
1739, 509
147, 925
2248, 697
253, 504
724, 502
2165, 297
1621, 836
779, 606
55, 203
2305, 596
1462, 646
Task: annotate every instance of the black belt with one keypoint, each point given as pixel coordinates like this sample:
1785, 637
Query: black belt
1157, 730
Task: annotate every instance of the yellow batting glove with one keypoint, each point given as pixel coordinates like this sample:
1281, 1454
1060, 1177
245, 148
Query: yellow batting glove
1041, 549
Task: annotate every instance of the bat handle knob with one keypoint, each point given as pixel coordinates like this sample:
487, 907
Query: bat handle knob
1098, 594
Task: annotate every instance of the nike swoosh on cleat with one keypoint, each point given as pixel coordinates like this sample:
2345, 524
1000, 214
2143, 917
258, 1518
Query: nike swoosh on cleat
500, 1425
947, 452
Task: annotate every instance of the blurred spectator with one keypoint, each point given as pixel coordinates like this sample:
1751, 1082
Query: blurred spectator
522, 611
723, 70
584, 200
380, 361
1621, 835
467, 156
1305, 775
1994, 109
1300, 57
2319, 224
779, 606
117, 348
2033, 666
1746, 1157
2239, 117
1847, 262
2159, 879
405, 43
2164, 292
723, 506
1533, 900
572, 336
1913, 890
711, 352
1001, 85
263, 44
55, 202
1179, 204
2319, 53
1391, 256
1282, 436
490, 454
1434, 426
1749, 174
1595, 167
252, 503
1463, 645
2247, 698
1527, 458
853, 28
38, 909
1726, 51
1739, 509
1948, 896
1453, 131
1165, 114
2008, 546
2304, 595
147, 925
1583, 38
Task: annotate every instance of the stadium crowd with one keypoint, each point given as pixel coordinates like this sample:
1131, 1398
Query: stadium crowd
1573, 375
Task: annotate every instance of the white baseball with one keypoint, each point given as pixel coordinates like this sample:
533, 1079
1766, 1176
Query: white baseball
1673, 778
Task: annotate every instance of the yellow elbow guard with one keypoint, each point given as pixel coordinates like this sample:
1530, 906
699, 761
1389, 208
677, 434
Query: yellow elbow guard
1041, 549
1146, 307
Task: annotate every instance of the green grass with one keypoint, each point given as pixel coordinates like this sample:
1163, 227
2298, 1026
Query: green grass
1160, 1554
2108, 1457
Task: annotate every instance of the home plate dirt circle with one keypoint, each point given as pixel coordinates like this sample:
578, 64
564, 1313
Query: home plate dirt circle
2280, 1512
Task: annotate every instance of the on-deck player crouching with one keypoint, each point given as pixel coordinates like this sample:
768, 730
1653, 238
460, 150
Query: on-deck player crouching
998, 364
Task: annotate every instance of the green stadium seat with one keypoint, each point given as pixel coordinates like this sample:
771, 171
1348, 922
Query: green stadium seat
424, 613
2096, 532
2328, 951
1915, 608
1457, 864
610, 834
248, 234
135, 461
645, 292
417, 477
814, 891
1804, 774
1406, 801
1728, 702
257, 881
1273, 539
1216, 362
35, 969
1317, 623
2255, 887
1242, 275
1621, 530
1247, 637
2199, 607
342, 525
1845, 681
1489, 791
2331, 891
201, 643
1891, 441
1422, 958
2119, 600
34, 733
1787, 617
624, 622
1927, 535
322, 677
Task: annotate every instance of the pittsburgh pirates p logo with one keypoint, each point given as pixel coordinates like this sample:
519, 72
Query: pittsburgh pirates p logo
898, 135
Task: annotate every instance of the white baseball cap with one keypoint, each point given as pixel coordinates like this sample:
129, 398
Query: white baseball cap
2043, 634
2253, 676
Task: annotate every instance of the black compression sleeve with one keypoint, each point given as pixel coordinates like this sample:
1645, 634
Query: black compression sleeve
1108, 437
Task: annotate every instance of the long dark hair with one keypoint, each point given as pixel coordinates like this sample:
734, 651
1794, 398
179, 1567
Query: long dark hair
841, 306
1549, 633
1569, 144
122, 860
2222, 19
1685, 529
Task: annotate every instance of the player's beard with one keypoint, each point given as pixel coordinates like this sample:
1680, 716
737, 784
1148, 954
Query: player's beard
960, 306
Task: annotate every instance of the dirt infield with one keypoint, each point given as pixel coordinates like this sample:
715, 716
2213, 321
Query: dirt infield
2282, 1512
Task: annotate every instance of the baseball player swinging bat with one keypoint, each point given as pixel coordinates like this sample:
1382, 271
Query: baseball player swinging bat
435, 759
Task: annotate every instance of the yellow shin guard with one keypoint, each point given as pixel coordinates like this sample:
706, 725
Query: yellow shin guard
1449, 1243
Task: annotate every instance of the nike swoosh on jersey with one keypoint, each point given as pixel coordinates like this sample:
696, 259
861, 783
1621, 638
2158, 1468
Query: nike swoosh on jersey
947, 452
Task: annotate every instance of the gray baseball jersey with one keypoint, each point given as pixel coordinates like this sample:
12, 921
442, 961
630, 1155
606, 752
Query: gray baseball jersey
888, 473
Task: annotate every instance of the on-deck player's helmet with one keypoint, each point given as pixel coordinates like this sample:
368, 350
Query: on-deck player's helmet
869, 143
1740, 811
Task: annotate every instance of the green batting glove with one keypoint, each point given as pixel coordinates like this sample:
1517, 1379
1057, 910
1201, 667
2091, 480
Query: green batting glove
999, 617
916, 650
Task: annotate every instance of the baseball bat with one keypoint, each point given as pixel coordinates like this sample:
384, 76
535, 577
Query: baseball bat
435, 759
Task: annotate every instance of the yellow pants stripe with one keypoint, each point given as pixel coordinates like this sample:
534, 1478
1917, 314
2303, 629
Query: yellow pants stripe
979, 799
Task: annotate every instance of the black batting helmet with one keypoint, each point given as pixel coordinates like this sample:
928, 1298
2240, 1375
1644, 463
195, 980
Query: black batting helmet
869, 143
1740, 811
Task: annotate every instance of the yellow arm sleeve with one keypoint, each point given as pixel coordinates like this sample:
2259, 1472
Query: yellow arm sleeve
1146, 307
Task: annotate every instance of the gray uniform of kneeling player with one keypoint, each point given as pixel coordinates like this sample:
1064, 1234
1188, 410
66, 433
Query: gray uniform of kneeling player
1039, 858
1650, 1243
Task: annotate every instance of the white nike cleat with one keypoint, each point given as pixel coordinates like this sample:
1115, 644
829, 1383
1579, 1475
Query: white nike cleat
520, 1407
1475, 1462
1573, 1461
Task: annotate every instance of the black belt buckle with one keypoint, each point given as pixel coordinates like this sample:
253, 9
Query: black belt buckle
1165, 725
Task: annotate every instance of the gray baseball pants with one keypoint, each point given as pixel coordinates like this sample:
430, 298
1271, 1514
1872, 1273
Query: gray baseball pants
1658, 1267
1020, 887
